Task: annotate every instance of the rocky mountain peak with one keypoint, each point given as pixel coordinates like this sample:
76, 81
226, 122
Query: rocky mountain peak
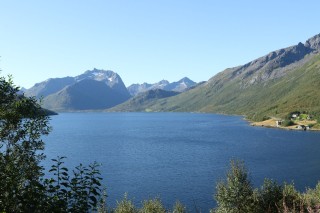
163, 82
186, 80
53, 85
178, 86
314, 42
98, 75
273, 65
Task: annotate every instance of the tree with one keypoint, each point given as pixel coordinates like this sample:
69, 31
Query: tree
235, 194
270, 196
22, 123
23, 187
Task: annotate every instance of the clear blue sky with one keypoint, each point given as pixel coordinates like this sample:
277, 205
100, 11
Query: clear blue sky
146, 41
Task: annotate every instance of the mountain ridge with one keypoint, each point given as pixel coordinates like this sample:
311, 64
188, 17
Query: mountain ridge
177, 86
53, 85
143, 100
94, 89
259, 88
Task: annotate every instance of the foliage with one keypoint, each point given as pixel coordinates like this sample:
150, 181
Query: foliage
77, 194
291, 199
236, 193
287, 123
152, 206
125, 206
264, 118
179, 208
316, 116
22, 123
23, 188
269, 196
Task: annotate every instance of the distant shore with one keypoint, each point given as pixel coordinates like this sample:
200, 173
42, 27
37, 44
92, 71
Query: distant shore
271, 123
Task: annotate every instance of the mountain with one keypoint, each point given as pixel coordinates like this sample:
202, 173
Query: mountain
178, 86
94, 89
143, 101
49, 86
273, 85
135, 89
53, 85
110, 78
87, 94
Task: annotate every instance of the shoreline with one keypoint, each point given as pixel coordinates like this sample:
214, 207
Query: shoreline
271, 123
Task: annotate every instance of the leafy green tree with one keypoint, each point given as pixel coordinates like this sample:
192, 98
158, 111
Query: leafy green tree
292, 200
22, 125
269, 196
23, 188
235, 194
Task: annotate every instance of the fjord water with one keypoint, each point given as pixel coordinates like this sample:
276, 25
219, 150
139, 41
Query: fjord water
180, 156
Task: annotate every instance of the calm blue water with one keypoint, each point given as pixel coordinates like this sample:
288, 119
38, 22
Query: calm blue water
180, 156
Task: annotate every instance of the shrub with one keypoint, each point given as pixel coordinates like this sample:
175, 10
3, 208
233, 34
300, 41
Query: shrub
291, 199
269, 196
125, 206
312, 198
179, 208
265, 118
152, 206
235, 194
288, 123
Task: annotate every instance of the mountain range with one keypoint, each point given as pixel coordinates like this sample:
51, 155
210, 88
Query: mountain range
93, 90
96, 90
178, 86
273, 85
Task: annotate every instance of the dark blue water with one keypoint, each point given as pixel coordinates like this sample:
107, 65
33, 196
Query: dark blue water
180, 156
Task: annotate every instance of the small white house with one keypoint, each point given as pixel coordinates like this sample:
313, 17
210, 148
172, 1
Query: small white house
278, 123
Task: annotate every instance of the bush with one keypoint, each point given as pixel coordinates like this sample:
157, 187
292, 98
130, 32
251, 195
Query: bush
269, 196
152, 206
264, 118
236, 193
179, 208
125, 206
291, 198
288, 123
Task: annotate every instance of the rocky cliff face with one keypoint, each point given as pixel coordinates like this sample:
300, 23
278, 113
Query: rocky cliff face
314, 43
271, 66
112, 79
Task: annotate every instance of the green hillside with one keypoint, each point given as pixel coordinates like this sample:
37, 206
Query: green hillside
297, 90
144, 101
